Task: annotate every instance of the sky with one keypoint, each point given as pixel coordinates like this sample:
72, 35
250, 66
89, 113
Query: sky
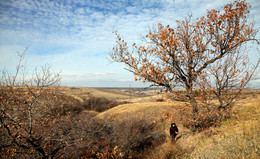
75, 36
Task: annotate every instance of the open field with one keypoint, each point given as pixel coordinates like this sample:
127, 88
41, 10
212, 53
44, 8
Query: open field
109, 93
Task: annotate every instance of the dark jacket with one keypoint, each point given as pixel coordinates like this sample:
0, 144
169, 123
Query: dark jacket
174, 130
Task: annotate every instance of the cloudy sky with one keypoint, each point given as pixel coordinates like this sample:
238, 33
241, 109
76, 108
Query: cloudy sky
75, 36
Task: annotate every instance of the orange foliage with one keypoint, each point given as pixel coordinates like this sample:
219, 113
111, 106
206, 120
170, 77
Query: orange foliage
179, 55
204, 53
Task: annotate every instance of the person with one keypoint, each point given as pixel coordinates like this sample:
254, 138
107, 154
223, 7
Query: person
173, 131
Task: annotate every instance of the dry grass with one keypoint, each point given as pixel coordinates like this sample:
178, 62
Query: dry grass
167, 150
82, 93
153, 110
238, 137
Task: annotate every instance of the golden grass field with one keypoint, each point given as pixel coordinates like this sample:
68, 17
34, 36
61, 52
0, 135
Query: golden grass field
237, 137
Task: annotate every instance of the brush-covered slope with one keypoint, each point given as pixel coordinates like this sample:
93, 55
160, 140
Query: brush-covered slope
237, 137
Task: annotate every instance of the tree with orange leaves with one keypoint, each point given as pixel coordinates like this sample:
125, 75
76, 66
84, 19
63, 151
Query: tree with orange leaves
185, 55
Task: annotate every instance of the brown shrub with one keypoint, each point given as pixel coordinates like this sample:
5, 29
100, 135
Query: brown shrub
104, 138
159, 100
206, 117
100, 104
29, 126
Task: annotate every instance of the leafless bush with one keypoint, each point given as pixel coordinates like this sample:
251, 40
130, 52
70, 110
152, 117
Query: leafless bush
106, 138
27, 122
159, 100
99, 104
135, 134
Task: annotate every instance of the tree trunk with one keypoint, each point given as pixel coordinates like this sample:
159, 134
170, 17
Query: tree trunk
194, 105
192, 99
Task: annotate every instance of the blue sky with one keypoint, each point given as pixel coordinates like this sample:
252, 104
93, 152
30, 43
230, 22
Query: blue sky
75, 36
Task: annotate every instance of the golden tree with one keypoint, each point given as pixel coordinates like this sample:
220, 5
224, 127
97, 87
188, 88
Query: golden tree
181, 55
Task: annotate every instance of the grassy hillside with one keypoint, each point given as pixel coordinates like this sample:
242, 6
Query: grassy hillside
237, 137
122, 123
82, 93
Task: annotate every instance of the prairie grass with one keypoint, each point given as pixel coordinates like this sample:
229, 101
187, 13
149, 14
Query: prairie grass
166, 151
154, 110
82, 93
237, 137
